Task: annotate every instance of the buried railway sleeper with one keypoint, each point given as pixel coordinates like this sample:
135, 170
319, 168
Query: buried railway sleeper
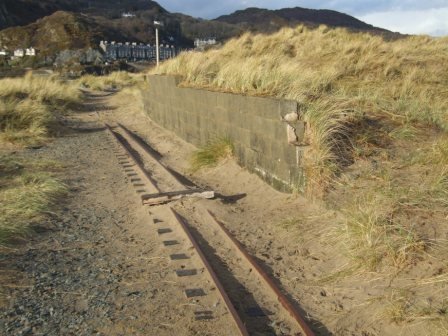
155, 197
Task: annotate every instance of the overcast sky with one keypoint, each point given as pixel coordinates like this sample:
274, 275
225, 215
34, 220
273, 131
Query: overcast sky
405, 16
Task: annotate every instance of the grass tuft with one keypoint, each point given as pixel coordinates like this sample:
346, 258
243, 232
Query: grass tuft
403, 307
28, 190
30, 107
375, 238
214, 151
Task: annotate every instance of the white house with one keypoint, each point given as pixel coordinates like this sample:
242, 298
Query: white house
4, 52
30, 51
128, 15
19, 53
103, 45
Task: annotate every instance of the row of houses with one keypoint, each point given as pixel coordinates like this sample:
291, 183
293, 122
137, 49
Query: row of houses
134, 51
18, 53
115, 51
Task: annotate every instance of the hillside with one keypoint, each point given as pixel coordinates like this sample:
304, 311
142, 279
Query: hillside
61, 31
107, 15
178, 28
264, 20
23, 12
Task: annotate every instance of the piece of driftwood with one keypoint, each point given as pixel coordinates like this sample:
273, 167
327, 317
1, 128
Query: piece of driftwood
164, 197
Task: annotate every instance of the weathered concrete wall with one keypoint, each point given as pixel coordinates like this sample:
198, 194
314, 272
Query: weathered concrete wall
253, 124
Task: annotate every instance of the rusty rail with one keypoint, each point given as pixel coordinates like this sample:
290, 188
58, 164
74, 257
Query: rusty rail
236, 318
284, 301
266, 279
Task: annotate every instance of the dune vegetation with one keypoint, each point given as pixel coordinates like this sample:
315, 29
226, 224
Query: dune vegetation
30, 110
28, 191
376, 113
339, 78
212, 153
113, 81
30, 107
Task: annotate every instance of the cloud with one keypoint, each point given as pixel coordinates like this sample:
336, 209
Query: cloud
209, 9
356, 7
431, 21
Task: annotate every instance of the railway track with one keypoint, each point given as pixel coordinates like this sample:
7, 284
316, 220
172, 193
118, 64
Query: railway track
211, 262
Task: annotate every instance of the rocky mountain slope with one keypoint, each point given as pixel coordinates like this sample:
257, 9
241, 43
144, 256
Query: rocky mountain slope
23, 12
59, 31
265, 20
179, 28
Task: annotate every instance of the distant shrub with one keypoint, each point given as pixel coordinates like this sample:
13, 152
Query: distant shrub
115, 80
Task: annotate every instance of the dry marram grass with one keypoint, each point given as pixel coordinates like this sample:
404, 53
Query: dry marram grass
115, 80
335, 75
29, 112
28, 190
30, 106
377, 107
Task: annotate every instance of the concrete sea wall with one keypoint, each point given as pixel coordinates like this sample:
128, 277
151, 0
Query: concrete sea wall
253, 124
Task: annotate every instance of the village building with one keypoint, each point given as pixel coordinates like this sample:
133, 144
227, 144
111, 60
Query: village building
19, 53
128, 15
30, 52
135, 51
